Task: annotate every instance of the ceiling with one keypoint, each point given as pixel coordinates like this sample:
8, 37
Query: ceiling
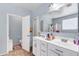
26, 6
35, 8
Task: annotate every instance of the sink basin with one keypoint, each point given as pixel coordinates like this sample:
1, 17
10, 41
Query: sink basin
59, 40
64, 40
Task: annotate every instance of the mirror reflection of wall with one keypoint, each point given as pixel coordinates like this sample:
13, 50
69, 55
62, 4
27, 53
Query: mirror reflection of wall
45, 22
36, 26
67, 24
41, 25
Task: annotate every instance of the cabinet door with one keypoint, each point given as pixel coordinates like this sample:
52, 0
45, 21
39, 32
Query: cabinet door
34, 46
38, 47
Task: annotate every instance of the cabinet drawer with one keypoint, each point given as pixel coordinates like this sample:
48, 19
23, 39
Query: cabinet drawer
55, 52
43, 45
66, 52
52, 53
43, 52
69, 53
61, 50
43, 48
51, 46
55, 48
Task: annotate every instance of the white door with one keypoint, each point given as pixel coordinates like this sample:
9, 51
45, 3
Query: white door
26, 33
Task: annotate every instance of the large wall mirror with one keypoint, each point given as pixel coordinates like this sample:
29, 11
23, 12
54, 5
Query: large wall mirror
69, 24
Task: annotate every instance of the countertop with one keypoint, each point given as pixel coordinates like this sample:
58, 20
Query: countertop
69, 45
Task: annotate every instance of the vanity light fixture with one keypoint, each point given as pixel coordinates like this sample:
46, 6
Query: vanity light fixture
57, 6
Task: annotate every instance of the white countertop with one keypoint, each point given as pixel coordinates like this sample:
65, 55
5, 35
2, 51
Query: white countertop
69, 45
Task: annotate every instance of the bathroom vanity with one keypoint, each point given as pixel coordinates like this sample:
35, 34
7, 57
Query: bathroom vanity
43, 47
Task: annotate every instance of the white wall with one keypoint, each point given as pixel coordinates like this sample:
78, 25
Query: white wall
3, 32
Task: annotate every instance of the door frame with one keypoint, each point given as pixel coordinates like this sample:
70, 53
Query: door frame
9, 14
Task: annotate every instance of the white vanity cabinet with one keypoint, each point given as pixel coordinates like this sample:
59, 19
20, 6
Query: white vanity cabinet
36, 47
54, 50
43, 47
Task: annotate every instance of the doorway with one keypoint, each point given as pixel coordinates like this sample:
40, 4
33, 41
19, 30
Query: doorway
14, 30
18, 32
